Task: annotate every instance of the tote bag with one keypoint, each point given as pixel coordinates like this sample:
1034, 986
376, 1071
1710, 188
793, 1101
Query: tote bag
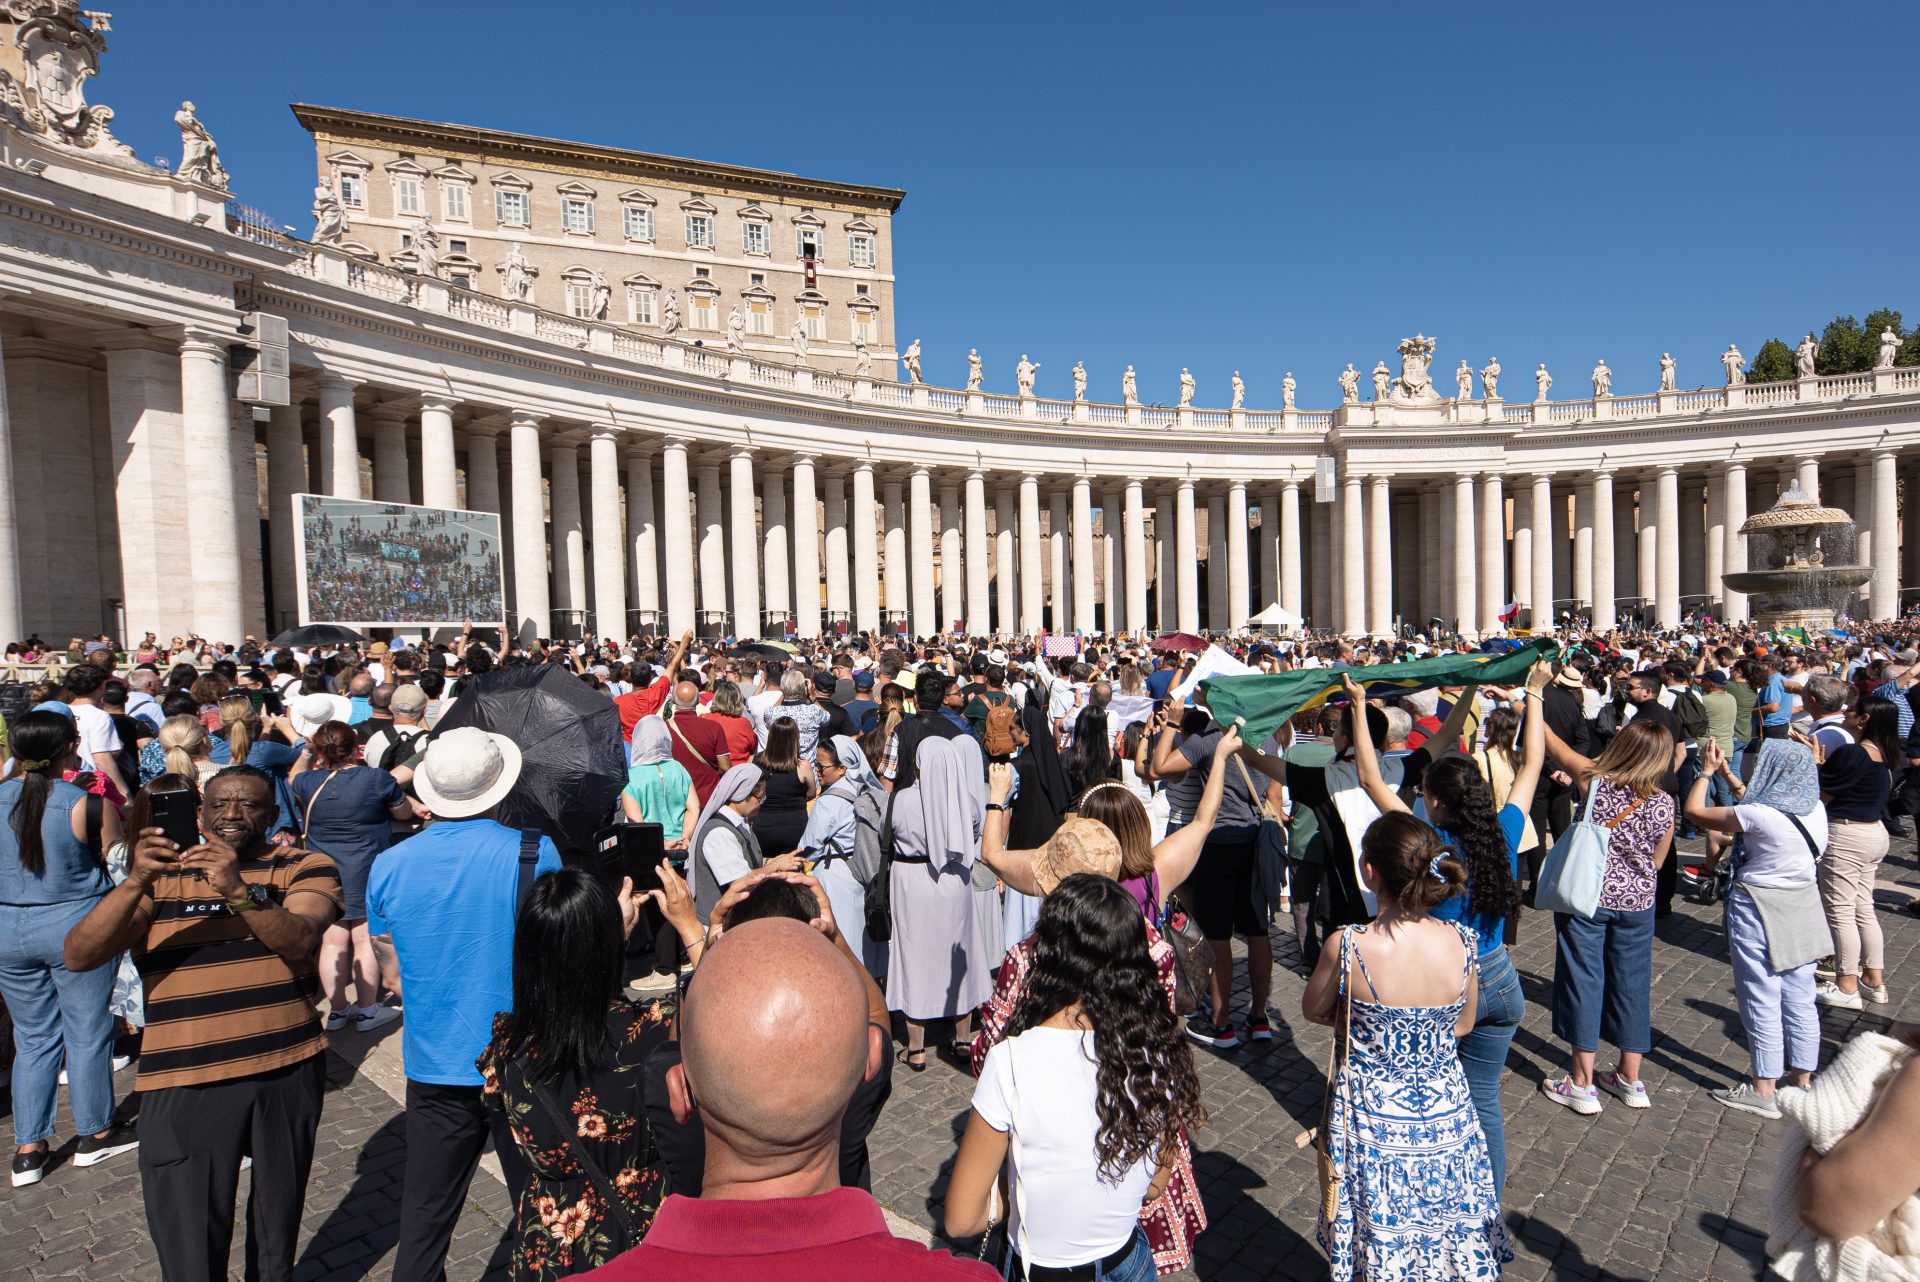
1571, 875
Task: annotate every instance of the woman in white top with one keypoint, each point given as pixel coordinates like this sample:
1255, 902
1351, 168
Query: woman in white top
1776, 929
1083, 1100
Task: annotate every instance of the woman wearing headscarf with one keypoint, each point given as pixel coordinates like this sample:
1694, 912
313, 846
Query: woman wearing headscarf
934, 966
724, 847
1776, 929
1041, 799
659, 790
831, 834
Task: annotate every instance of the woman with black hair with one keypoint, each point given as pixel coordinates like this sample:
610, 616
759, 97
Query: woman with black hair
53, 839
565, 1069
1087, 1094
1089, 758
1459, 805
1855, 782
782, 817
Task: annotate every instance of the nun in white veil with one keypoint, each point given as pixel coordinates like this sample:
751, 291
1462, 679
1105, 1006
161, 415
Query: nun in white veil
829, 842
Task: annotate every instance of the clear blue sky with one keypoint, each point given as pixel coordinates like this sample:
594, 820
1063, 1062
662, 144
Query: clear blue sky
1264, 187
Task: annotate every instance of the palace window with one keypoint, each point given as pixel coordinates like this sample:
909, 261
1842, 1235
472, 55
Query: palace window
809, 242
754, 238
699, 231
353, 189
453, 200
640, 306
580, 298
700, 312
406, 194
461, 280
814, 317
759, 317
637, 223
860, 249
576, 215
456, 246
864, 330
511, 208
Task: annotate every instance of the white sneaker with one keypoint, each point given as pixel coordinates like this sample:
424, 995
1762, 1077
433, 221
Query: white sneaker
1581, 1099
1878, 996
1828, 993
1747, 1100
1632, 1094
365, 1021
121, 1061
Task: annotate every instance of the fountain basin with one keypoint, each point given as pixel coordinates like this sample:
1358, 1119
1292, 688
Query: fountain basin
1798, 598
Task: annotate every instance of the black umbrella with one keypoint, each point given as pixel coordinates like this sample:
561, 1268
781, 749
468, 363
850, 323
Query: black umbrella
572, 763
319, 634
774, 651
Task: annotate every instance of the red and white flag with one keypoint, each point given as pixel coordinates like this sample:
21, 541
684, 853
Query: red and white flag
1511, 612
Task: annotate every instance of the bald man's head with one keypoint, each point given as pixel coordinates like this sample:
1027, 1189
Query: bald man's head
686, 695
773, 1040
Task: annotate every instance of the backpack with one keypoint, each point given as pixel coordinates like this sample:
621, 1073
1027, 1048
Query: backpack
997, 738
399, 749
1691, 712
863, 861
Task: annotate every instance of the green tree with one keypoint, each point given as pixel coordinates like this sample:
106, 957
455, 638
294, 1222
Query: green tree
1844, 348
1773, 363
1883, 319
1909, 353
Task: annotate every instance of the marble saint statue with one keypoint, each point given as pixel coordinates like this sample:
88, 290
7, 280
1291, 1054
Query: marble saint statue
602, 296
911, 359
1079, 380
862, 359
1666, 371
1287, 388
1186, 387
329, 216
1129, 388
1602, 379
1023, 375
516, 274
1889, 348
798, 337
1350, 385
976, 373
1490, 379
1239, 390
1542, 382
426, 248
670, 313
199, 154
1804, 357
1463, 381
736, 330
1735, 365
1382, 381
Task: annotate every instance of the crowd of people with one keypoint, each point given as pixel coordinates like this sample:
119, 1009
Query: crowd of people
882, 855
411, 567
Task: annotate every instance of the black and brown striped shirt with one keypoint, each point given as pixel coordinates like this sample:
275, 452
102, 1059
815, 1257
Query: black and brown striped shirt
221, 1004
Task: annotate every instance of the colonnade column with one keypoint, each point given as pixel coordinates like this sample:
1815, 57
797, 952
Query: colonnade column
713, 545
1006, 599
1542, 568
1649, 524
834, 510
1033, 615
285, 478
953, 582
1165, 580
1466, 598
1733, 507
1809, 478
569, 540
1353, 563
390, 481
806, 550
926, 620
213, 549
745, 545
440, 470
11, 622
1057, 567
866, 568
609, 570
1134, 520
1582, 565
340, 437
1884, 593
1290, 594
1238, 577
1186, 558
1603, 570
1113, 560
1217, 564
1493, 551
532, 598
642, 534
978, 559
1380, 557
776, 541
1084, 620
1666, 598
893, 516
1716, 544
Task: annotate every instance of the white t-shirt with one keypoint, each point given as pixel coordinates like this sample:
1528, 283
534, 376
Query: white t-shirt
1777, 855
96, 732
1041, 1086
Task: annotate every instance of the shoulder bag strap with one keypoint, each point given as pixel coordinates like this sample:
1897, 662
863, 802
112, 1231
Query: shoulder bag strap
306, 817
1259, 794
529, 860
588, 1167
1812, 845
95, 816
708, 762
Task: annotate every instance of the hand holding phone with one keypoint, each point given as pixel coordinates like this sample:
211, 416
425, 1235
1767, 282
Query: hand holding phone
176, 813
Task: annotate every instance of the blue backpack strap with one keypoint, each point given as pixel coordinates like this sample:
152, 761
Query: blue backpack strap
529, 857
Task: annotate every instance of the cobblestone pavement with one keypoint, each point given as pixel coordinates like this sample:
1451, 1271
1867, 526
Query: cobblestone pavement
1678, 1191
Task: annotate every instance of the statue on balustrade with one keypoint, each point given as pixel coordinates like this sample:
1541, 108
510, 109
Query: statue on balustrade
1804, 357
1129, 388
1079, 380
1463, 381
1490, 379
1240, 390
1735, 364
199, 155
426, 248
911, 360
670, 312
736, 329
1542, 382
862, 359
1350, 385
329, 216
1186, 387
516, 278
1666, 371
1023, 375
1382, 381
1602, 380
975, 372
1416, 357
798, 337
1889, 347
1287, 388
603, 296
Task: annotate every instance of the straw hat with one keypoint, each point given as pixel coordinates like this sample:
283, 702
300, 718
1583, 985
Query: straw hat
311, 711
1077, 845
467, 772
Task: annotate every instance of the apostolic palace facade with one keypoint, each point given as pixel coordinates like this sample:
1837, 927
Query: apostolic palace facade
678, 383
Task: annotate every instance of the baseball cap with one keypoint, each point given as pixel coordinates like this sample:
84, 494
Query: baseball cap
823, 683
409, 699
863, 680
1714, 676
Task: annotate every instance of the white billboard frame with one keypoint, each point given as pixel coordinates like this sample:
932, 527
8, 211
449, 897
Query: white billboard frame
300, 562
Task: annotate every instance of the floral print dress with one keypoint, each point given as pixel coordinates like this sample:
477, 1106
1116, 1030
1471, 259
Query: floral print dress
565, 1225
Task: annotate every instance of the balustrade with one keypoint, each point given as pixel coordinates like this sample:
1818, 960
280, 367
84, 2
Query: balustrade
481, 309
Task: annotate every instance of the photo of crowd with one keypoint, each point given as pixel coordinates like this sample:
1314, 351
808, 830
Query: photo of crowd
391, 563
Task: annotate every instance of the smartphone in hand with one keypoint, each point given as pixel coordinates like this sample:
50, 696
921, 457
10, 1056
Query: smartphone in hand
176, 812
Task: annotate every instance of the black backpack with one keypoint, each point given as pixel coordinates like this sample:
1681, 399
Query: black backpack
400, 749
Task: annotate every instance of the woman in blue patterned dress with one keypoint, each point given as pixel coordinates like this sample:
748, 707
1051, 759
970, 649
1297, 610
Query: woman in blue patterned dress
1416, 1195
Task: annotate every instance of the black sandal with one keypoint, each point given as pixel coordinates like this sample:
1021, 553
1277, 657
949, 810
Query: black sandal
906, 1057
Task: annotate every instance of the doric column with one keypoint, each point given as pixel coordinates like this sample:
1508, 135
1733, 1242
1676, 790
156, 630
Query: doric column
713, 547
1239, 574
1380, 557
1290, 595
643, 538
1083, 575
340, 437
834, 510
1006, 600
776, 541
1693, 537
1113, 562
1466, 597
1716, 545
1493, 552
806, 550
1186, 558
745, 544
439, 470
978, 558
569, 539
1733, 505
953, 583
1033, 613
1583, 547
866, 551
1165, 579
213, 547
609, 565
1600, 503
1134, 554
1267, 577
1884, 596
926, 612
1217, 564
286, 468
1353, 562
1544, 612
1626, 548
390, 481
531, 591
676, 537
1666, 600
1647, 518
1057, 567
1810, 478
893, 515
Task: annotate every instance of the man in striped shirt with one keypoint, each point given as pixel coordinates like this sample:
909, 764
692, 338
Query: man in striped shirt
231, 1065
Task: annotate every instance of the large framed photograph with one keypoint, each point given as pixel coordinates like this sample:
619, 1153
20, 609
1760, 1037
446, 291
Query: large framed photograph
393, 565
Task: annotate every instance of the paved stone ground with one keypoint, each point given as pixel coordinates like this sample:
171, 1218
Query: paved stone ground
1678, 1191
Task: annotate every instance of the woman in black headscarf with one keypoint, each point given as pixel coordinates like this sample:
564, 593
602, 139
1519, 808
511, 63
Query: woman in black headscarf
1040, 801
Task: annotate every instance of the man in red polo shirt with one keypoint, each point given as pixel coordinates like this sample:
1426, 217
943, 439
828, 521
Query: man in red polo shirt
774, 991
649, 699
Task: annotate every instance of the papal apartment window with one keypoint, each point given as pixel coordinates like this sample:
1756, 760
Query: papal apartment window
860, 291
511, 208
353, 190
456, 247
756, 278
699, 231
701, 312
809, 243
759, 318
640, 307
406, 195
816, 322
580, 298
638, 223
754, 238
576, 215
701, 273
453, 196
864, 330
860, 250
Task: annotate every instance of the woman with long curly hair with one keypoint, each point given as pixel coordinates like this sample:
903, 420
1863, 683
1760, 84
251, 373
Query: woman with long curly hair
1486, 840
1088, 1094
1089, 758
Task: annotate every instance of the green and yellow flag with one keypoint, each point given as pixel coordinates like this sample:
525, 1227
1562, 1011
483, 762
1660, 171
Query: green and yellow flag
1268, 700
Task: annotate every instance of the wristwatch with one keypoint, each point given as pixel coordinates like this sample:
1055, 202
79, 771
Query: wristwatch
256, 897
997, 805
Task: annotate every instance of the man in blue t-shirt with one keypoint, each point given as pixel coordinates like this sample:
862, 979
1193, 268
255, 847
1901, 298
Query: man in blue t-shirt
441, 907
1775, 709
1160, 680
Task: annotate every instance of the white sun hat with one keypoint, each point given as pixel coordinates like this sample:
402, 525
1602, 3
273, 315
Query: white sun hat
311, 711
467, 772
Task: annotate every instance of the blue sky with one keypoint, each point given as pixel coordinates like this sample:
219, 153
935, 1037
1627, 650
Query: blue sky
1254, 187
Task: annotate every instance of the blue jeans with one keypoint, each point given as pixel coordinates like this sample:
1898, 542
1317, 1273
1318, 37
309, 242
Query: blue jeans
1136, 1267
52, 1006
1603, 980
1483, 1052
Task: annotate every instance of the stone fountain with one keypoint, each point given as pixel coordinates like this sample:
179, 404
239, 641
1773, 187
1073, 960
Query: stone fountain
1806, 557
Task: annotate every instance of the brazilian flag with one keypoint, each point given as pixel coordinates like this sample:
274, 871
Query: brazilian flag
1267, 700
